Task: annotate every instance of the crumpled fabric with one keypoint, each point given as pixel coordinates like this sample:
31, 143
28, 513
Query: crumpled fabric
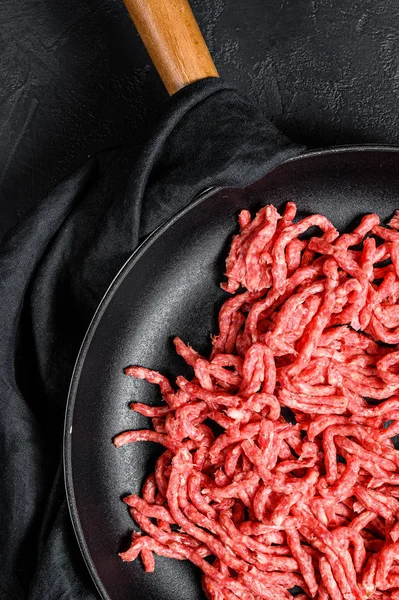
54, 269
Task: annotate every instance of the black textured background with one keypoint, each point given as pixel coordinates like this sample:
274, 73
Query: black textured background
74, 78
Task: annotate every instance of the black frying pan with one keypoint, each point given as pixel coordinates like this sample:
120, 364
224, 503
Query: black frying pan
170, 287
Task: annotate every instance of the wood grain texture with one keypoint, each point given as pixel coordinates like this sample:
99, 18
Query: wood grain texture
174, 41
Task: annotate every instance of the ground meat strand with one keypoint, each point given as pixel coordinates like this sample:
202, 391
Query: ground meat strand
279, 466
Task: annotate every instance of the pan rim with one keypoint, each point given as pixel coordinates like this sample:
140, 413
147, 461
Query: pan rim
108, 295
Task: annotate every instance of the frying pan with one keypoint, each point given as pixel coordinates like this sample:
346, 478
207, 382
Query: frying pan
170, 286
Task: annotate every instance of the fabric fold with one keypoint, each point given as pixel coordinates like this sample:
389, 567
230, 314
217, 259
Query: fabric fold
55, 267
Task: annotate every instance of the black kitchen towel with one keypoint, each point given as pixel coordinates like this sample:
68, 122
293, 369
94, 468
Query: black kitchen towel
55, 267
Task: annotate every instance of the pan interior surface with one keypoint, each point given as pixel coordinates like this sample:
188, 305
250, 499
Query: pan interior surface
171, 287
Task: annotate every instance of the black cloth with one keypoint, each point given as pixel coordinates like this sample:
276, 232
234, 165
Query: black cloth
55, 267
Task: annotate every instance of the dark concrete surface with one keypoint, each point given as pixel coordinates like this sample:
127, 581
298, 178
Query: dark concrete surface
75, 79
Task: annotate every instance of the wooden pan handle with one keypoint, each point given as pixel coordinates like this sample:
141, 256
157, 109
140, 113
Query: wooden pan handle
173, 40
